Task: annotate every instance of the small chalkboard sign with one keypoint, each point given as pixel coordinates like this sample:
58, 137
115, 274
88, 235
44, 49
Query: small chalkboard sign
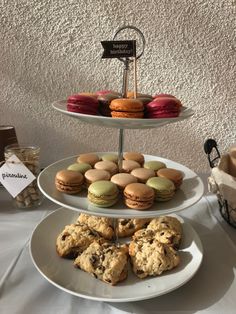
119, 48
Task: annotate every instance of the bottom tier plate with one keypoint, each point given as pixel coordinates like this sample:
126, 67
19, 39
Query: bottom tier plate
61, 273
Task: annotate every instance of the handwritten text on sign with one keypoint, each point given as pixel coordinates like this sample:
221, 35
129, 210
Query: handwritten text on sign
119, 49
15, 176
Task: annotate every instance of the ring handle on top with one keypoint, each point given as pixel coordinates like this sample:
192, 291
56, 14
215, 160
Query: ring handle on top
141, 35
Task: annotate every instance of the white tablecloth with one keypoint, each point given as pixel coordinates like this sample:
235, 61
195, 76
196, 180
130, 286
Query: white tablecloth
24, 291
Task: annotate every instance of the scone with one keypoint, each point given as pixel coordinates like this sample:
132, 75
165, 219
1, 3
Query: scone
105, 261
149, 257
127, 227
103, 225
167, 229
74, 239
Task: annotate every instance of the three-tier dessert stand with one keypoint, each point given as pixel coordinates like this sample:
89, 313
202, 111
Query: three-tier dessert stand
61, 273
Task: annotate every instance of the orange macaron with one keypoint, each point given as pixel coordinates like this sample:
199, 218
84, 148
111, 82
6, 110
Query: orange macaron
126, 108
69, 182
138, 196
176, 176
138, 157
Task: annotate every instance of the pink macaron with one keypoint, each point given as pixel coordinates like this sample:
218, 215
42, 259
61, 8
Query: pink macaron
82, 104
163, 107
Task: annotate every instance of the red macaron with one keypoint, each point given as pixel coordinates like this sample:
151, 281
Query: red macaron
163, 106
82, 104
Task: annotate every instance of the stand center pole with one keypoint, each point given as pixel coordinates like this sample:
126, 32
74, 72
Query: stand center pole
120, 148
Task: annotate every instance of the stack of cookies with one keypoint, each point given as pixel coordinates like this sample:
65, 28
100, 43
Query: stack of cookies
152, 249
138, 183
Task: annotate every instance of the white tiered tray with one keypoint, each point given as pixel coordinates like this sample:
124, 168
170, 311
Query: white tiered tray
190, 192
62, 274
122, 123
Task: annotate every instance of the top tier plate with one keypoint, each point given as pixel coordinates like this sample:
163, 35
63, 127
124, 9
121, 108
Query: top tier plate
122, 123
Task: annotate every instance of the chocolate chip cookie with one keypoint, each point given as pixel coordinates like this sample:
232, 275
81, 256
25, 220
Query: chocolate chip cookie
149, 257
74, 239
127, 227
104, 261
168, 230
102, 225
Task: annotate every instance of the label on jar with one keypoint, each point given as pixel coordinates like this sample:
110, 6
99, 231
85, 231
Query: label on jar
15, 176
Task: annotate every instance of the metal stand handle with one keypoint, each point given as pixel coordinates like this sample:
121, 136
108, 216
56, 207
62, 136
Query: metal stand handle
126, 61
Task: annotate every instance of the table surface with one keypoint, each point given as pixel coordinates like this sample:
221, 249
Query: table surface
24, 290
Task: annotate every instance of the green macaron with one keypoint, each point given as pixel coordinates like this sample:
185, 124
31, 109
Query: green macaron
164, 188
103, 193
110, 157
80, 167
154, 165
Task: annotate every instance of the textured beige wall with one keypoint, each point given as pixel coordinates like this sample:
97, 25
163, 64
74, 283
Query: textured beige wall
50, 49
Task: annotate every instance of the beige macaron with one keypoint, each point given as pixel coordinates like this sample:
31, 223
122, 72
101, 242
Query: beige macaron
129, 165
107, 165
143, 174
123, 179
94, 175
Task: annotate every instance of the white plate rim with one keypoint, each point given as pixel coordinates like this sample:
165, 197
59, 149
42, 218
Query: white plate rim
195, 239
125, 212
122, 123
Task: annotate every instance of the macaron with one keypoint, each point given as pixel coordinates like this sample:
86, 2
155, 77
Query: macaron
163, 107
110, 157
107, 165
164, 188
145, 100
94, 175
129, 165
104, 104
126, 108
103, 193
88, 158
154, 165
89, 94
123, 179
138, 157
174, 175
143, 174
139, 196
82, 104
168, 96
80, 167
68, 181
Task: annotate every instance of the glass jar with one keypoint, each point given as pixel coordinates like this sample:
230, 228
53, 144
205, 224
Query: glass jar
29, 155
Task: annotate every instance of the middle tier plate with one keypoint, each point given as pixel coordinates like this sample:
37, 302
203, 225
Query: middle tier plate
190, 193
